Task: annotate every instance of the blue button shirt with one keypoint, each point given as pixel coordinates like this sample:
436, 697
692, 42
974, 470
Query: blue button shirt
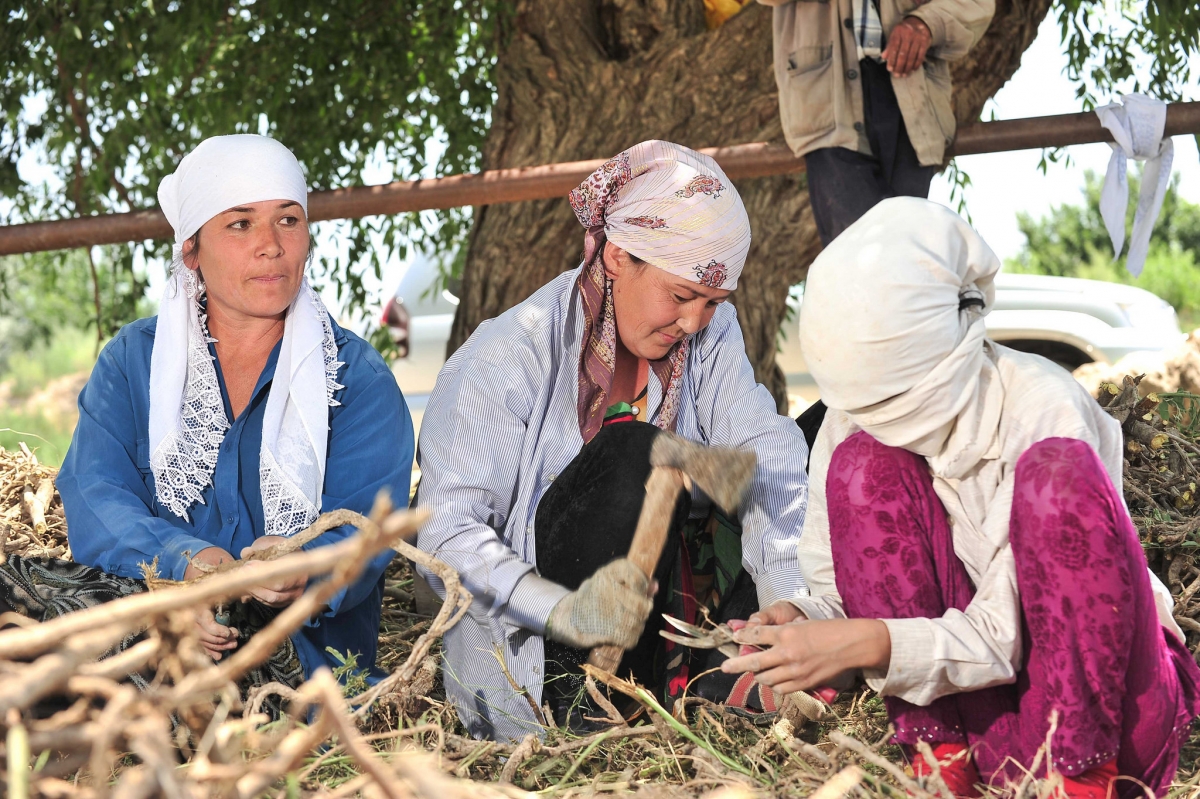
115, 522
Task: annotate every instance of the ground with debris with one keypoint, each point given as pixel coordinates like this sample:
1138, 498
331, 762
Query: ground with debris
1176, 369
404, 740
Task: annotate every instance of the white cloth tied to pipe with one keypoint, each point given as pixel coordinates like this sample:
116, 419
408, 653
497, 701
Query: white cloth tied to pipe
1137, 125
187, 414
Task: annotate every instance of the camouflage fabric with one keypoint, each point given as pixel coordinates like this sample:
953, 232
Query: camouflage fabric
45, 588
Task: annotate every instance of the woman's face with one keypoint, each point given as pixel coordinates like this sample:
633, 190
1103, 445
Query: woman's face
252, 258
654, 308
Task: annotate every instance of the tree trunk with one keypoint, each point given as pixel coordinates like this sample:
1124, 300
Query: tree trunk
580, 79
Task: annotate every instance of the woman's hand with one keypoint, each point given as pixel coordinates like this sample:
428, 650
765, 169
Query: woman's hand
205, 561
216, 639
611, 607
782, 612
280, 593
808, 654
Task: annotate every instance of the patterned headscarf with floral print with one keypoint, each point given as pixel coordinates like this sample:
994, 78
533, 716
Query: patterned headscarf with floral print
675, 209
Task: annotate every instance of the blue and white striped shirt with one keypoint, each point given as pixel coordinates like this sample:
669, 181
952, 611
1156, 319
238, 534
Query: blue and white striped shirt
501, 424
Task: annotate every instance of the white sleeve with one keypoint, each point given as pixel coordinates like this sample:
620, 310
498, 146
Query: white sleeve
735, 410
821, 600
471, 441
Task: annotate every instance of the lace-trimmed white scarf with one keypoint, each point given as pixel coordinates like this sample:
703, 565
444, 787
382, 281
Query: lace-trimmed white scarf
187, 415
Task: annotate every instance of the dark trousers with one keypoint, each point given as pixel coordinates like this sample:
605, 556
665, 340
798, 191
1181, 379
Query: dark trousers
844, 184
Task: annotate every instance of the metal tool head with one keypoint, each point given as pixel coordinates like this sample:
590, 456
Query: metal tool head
719, 638
723, 474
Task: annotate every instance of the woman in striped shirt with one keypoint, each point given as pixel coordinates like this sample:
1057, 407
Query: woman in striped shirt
535, 499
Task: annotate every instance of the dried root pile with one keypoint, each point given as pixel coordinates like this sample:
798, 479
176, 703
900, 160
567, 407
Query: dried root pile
74, 727
1162, 471
31, 512
191, 736
1176, 369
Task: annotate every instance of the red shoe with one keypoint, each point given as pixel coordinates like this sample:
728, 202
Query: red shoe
1095, 783
956, 765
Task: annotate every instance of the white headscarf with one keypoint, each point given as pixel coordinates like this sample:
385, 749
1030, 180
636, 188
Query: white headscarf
892, 330
187, 415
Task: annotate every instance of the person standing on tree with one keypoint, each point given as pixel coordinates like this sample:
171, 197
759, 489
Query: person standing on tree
864, 95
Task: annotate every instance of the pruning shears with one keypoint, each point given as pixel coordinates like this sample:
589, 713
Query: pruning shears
719, 638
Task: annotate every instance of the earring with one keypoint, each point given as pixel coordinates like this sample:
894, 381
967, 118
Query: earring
191, 283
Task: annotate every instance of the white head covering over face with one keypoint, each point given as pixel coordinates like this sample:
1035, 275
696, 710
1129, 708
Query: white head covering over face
187, 414
892, 330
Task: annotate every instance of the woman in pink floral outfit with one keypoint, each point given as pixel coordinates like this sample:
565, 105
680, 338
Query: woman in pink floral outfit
965, 544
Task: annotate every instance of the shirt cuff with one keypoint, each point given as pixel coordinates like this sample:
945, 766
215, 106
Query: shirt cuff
912, 643
813, 608
173, 558
777, 585
532, 600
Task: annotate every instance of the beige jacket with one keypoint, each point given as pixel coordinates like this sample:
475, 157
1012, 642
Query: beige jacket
820, 91
981, 646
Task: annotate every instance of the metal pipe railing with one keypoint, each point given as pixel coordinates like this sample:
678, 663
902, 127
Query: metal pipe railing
555, 180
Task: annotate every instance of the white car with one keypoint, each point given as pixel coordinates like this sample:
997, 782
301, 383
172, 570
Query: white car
1074, 321
419, 317
1068, 320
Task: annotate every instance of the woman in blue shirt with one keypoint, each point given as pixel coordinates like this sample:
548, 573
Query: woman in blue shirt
229, 421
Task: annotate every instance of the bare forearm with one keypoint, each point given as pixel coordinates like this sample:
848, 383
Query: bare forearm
871, 645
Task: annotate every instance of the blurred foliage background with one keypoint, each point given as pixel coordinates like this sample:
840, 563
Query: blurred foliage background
1071, 242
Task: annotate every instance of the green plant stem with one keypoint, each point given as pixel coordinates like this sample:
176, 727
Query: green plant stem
646, 697
582, 757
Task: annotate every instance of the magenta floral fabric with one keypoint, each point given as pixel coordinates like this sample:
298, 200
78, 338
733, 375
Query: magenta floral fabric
1123, 688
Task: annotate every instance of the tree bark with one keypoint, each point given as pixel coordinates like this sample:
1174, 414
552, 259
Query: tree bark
581, 79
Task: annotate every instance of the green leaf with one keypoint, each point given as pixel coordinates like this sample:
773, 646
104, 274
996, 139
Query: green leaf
1072, 241
346, 86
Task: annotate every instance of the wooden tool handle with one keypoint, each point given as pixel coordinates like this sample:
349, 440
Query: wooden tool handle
654, 522
606, 657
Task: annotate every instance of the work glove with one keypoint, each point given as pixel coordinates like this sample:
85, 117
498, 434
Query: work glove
611, 607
